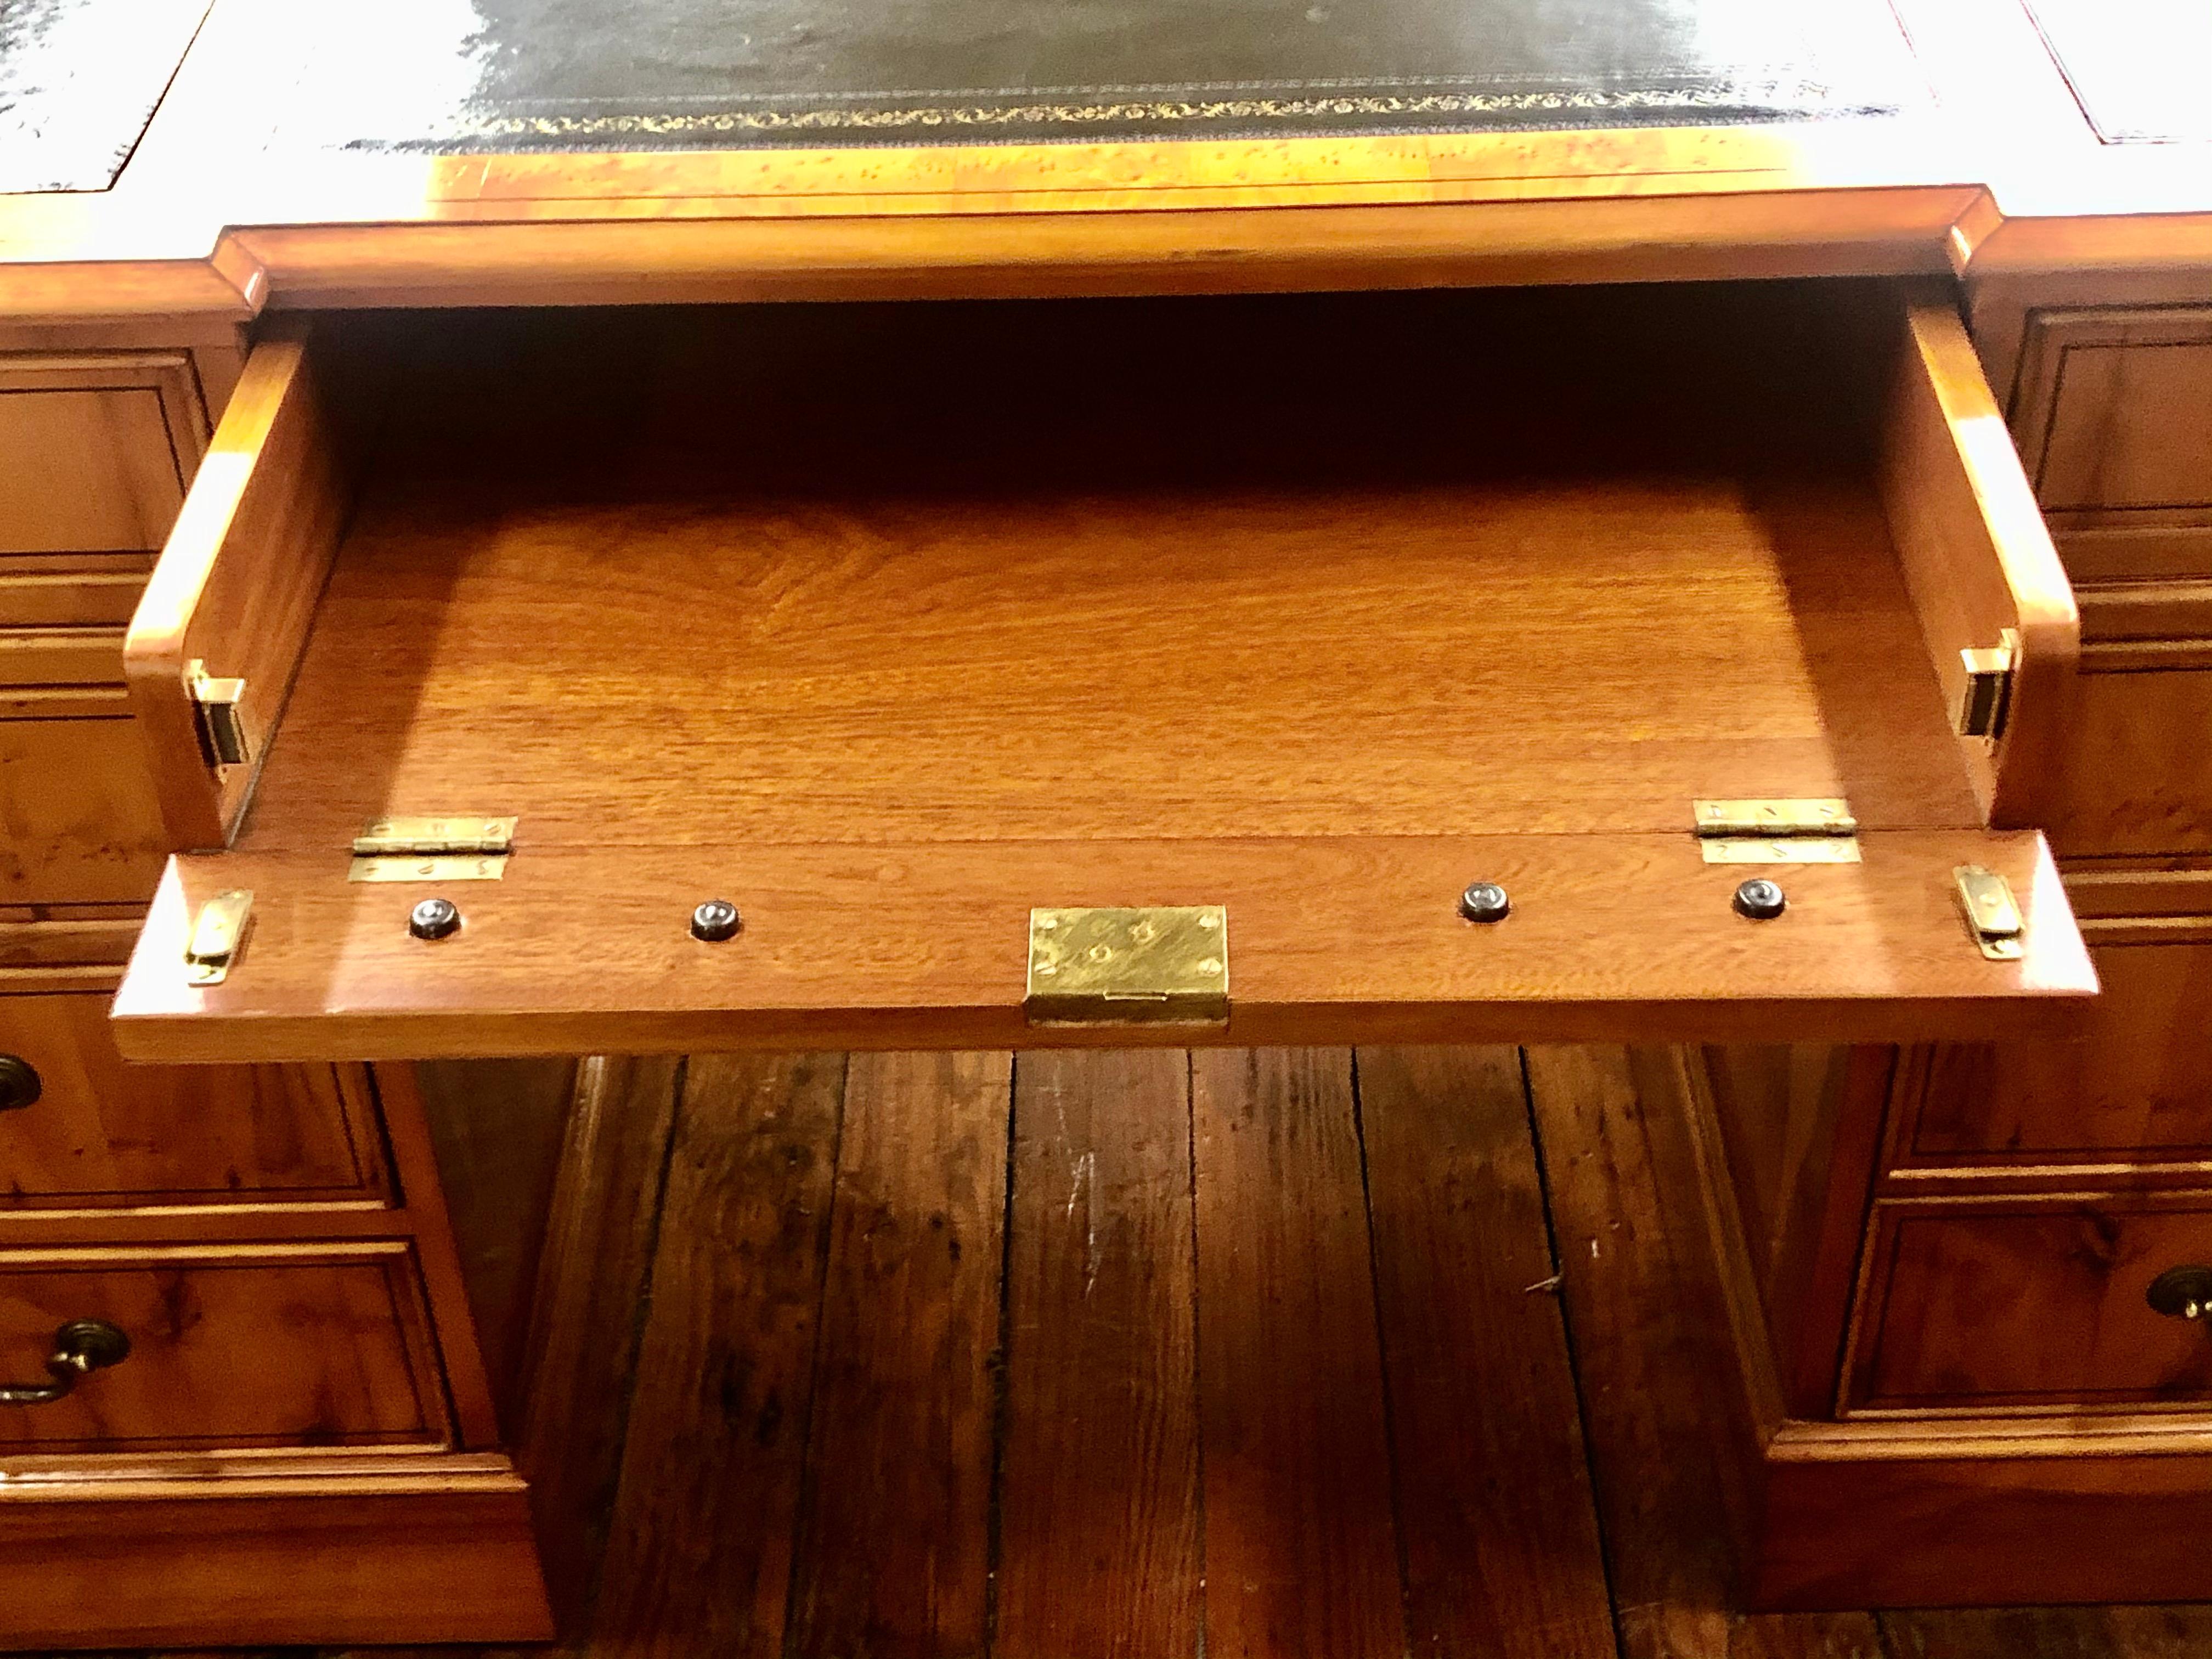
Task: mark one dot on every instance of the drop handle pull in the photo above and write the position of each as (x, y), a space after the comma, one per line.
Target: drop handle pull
(81, 1347)
(2184, 1293)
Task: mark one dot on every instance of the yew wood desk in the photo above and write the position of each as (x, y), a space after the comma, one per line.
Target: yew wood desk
(1370, 586)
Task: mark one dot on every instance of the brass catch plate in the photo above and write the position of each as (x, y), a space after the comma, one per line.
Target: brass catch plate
(218, 935)
(1985, 696)
(1165, 965)
(444, 866)
(1788, 849)
(454, 833)
(1992, 914)
(218, 705)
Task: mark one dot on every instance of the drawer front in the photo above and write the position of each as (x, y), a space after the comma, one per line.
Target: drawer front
(2113, 416)
(238, 1346)
(80, 1129)
(2029, 1305)
(78, 818)
(2138, 765)
(2114, 408)
(2135, 1087)
(95, 449)
(928, 744)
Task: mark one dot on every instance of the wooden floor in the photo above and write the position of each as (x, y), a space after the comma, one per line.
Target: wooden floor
(1297, 1354)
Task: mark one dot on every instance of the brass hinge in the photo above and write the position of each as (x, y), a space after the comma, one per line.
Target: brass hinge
(218, 935)
(457, 848)
(1987, 699)
(218, 712)
(1816, 830)
(1992, 916)
(1159, 966)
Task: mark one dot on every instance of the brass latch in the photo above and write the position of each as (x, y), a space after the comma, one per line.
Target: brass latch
(218, 712)
(1992, 917)
(1987, 699)
(218, 935)
(457, 848)
(1816, 830)
(1160, 966)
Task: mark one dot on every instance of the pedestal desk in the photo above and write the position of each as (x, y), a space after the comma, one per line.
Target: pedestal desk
(1723, 571)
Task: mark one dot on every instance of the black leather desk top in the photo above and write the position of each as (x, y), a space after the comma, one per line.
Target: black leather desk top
(2141, 70)
(615, 74)
(79, 79)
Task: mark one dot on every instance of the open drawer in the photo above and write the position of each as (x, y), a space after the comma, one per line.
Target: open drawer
(892, 624)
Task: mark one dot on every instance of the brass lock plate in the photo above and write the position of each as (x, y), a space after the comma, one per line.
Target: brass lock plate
(1166, 965)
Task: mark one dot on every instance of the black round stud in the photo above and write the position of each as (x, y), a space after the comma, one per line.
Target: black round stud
(1485, 900)
(19, 1082)
(715, 921)
(433, 918)
(1760, 899)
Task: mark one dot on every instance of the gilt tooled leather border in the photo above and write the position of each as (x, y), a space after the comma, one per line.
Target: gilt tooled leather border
(1797, 100)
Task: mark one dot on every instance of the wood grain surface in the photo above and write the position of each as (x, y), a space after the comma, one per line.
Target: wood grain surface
(718, 1418)
(1099, 1526)
(925, 946)
(1293, 640)
(882, 632)
(105, 1134)
(1646, 1345)
(237, 584)
(236, 1346)
(100, 445)
(1648, 1337)
(1299, 1556)
(2136, 780)
(84, 818)
(1475, 1347)
(1978, 559)
(2029, 1303)
(453, 1559)
(595, 1268)
(2133, 1090)
(497, 1128)
(893, 1542)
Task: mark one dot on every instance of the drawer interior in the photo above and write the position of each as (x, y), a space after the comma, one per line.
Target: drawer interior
(889, 623)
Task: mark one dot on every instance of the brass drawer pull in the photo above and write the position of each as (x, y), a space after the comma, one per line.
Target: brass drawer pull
(81, 1347)
(19, 1082)
(2183, 1293)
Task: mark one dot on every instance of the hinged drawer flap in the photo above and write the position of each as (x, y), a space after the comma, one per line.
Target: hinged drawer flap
(1613, 939)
